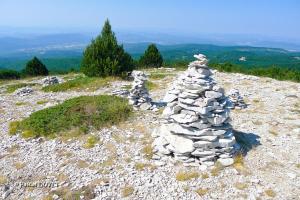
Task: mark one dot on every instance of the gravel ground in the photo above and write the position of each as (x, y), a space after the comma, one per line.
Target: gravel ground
(120, 164)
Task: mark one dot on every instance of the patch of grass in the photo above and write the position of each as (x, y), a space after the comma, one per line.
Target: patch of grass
(216, 169)
(42, 102)
(201, 191)
(240, 185)
(204, 176)
(142, 166)
(127, 191)
(257, 123)
(118, 137)
(82, 164)
(12, 88)
(148, 151)
(80, 83)
(298, 165)
(256, 101)
(157, 75)
(3, 180)
(83, 112)
(270, 193)
(27, 134)
(21, 103)
(19, 165)
(126, 87)
(67, 193)
(186, 175)
(239, 164)
(273, 132)
(91, 141)
(151, 86)
(13, 127)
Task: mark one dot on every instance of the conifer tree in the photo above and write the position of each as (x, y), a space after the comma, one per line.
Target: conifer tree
(104, 57)
(35, 67)
(151, 57)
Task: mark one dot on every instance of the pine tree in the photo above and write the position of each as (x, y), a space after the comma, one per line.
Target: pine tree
(104, 57)
(151, 57)
(35, 67)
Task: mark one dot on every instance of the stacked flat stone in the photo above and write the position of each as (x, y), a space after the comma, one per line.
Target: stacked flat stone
(236, 100)
(139, 96)
(196, 127)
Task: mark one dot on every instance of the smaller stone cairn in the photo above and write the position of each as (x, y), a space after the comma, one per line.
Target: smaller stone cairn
(139, 96)
(236, 99)
(51, 80)
(24, 91)
(196, 127)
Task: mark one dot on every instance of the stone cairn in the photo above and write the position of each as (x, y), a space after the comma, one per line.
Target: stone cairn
(236, 100)
(139, 96)
(51, 80)
(24, 91)
(196, 127)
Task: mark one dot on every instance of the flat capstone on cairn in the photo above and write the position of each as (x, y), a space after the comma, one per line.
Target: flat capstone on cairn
(139, 96)
(236, 99)
(195, 127)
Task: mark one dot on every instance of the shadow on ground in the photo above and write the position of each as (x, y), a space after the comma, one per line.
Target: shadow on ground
(247, 141)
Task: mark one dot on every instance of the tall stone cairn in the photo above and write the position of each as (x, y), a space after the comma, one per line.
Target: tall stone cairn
(196, 127)
(139, 96)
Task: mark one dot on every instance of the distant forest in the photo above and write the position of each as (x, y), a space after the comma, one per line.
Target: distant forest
(174, 56)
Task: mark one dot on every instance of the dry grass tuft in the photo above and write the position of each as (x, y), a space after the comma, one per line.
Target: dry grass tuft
(82, 164)
(3, 180)
(19, 165)
(186, 175)
(240, 185)
(239, 164)
(270, 193)
(216, 169)
(204, 176)
(91, 142)
(148, 151)
(127, 191)
(201, 191)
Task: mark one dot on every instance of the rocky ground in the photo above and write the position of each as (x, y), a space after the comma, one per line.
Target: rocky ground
(120, 165)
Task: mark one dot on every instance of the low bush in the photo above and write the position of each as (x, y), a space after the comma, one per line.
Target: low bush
(9, 74)
(12, 88)
(274, 72)
(83, 112)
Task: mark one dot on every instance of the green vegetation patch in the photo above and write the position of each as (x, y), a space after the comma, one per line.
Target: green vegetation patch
(151, 86)
(14, 87)
(83, 112)
(158, 75)
(274, 72)
(87, 83)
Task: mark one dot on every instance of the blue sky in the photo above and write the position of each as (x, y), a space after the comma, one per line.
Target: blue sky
(262, 17)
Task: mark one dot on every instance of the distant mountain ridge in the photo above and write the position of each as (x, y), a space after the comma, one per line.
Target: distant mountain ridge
(64, 51)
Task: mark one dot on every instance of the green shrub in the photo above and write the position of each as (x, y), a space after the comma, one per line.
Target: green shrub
(9, 74)
(104, 57)
(83, 112)
(90, 83)
(35, 67)
(151, 57)
(272, 72)
(14, 87)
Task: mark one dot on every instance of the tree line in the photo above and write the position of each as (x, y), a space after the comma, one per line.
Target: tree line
(104, 56)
